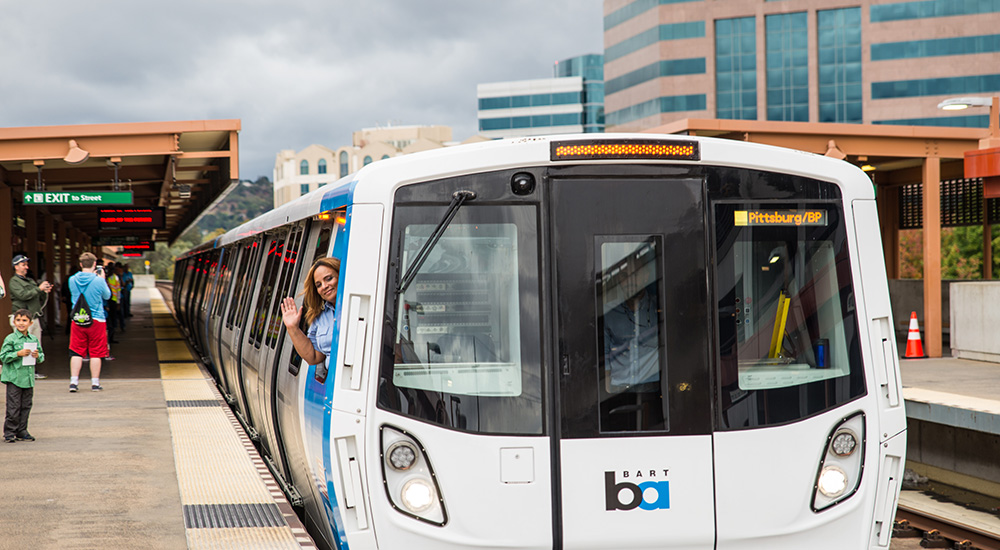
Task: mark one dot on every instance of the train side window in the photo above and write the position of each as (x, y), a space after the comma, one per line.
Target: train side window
(256, 249)
(288, 266)
(223, 285)
(274, 250)
(240, 275)
(320, 250)
(787, 322)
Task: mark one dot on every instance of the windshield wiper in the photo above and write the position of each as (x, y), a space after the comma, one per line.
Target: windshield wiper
(457, 200)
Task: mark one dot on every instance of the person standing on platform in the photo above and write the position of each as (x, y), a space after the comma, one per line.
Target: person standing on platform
(128, 281)
(19, 353)
(3, 288)
(26, 293)
(114, 283)
(88, 337)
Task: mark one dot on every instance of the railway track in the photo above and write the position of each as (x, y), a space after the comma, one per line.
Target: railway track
(936, 531)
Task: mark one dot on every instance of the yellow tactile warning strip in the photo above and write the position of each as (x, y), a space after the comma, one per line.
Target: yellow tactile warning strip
(173, 350)
(229, 497)
(167, 333)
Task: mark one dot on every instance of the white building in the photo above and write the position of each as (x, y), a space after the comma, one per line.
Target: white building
(297, 173)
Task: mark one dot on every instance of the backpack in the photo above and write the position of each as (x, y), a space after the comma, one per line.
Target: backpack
(80, 314)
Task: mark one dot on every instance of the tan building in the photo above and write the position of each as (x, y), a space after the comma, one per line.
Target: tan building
(860, 61)
(298, 173)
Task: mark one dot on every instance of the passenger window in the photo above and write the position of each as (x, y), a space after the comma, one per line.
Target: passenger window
(630, 325)
(787, 320)
(274, 255)
(288, 266)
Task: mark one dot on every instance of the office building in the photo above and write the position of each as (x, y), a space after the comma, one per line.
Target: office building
(861, 61)
(570, 102)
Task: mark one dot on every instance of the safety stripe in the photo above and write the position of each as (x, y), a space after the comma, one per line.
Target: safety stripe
(194, 403)
(202, 516)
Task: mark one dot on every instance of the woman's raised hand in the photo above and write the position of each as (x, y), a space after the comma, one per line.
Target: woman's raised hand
(290, 315)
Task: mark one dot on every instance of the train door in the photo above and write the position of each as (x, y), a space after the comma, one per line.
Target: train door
(237, 321)
(634, 443)
(272, 347)
(255, 351)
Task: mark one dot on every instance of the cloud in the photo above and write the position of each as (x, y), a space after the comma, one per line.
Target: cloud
(296, 72)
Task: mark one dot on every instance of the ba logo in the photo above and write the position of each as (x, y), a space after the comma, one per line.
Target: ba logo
(648, 495)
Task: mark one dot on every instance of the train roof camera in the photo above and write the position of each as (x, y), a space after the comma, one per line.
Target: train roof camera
(522, 183)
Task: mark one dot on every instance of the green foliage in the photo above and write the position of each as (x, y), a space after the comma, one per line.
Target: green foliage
(247, 201)
(961, 253)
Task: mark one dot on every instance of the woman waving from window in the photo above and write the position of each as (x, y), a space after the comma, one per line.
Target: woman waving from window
(320, 291)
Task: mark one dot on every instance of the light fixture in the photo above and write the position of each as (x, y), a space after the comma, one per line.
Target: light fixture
(868, 168)
(184, 191)
(959, 103)
(833, 151)
(76, 155)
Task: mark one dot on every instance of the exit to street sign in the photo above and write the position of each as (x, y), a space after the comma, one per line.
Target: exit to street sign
(76, 198)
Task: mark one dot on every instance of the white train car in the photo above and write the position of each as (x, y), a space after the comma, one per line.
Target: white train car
(572, 342)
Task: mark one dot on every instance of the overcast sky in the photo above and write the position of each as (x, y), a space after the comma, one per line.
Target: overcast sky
(295, 72)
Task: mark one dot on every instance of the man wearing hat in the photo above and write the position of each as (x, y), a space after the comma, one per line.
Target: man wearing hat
(26, 293)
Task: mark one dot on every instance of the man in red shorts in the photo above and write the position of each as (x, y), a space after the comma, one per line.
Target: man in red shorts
(88, 335)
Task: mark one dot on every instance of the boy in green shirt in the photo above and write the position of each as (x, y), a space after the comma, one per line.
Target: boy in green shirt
(20, 378)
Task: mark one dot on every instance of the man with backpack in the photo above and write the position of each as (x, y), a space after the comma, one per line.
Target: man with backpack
(88, 336)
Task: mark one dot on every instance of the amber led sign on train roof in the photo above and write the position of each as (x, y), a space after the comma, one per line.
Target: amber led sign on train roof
(625, 149)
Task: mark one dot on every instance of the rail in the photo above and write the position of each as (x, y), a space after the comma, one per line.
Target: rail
(937, 531)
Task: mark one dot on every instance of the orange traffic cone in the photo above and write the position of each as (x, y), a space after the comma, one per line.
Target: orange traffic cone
(914, 347)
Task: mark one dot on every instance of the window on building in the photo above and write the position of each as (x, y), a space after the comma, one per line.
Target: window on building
(303, 188)
(736, 68)
(321, 166)
(368, 160)
(839, 65)
(343, 163)
(384, 157)
(304, 168)
(787, 67)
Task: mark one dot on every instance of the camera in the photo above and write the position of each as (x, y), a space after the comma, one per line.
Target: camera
(99, 270)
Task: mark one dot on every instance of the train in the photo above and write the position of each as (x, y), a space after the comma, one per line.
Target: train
(570, 342)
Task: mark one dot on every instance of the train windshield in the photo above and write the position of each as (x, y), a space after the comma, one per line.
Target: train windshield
(465, 335)
(786, 312)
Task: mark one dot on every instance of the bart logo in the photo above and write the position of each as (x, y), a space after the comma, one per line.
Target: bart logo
(648, 495)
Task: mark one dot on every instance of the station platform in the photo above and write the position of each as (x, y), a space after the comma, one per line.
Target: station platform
(155, 461)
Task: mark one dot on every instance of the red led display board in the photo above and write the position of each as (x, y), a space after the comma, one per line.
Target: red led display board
(132, 218)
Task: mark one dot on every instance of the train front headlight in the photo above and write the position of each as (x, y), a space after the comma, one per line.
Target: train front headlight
(417, 495)
(839, 473)
(832, 481)
(409, 480)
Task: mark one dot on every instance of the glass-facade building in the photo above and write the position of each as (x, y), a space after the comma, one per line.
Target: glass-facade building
(861, 61)
(570, 102)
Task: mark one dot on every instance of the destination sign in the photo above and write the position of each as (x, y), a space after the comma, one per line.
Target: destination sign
(780, 217)
(76, 198)
(132, 218)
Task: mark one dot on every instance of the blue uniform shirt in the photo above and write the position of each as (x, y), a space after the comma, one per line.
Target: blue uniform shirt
(321, 331)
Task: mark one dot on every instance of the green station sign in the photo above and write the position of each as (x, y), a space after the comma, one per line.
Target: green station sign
(77, 198)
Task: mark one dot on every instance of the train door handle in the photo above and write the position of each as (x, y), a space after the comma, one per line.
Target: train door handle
(350, 476)
(357, 329)
(884, 350)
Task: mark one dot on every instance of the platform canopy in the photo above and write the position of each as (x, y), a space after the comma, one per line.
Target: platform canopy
(918, 174)
(173, 170)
